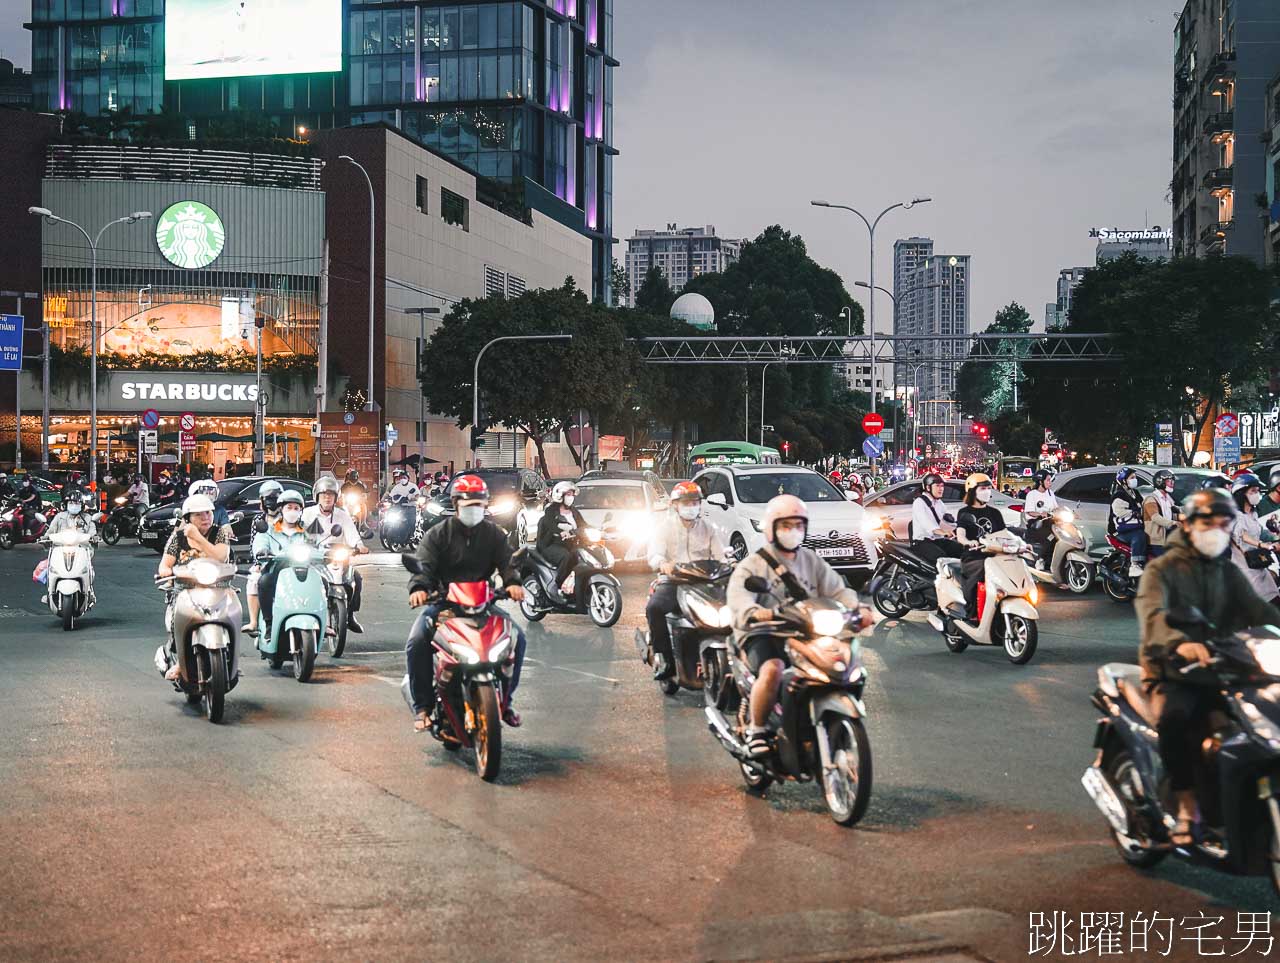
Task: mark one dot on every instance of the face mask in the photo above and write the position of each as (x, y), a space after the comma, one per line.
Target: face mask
(73, 509)
(1210, 542)
(984, 495)
(291, 515)
(1169, 488)
(471, 516)
(568, 501)
(1254, 497)
(1132, 482)
(790, 538)
(689, 512)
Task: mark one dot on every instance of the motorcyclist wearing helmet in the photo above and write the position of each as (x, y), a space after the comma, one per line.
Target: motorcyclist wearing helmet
(197, 537)
(76, 514)
(29, 503)
(166, 491)
(1271, 501)
(1160, 513)
(270, 546)
(1195, 571)
(1038, 508)
(139, 492)
(1124, 521)
(786, 520)
(560, 522)
(319, 519)
(403, 490)
(685, 536)
(932, 536)
(269, 500)
(465, 548)
(1249, 537)
(209, 488)
(352, 483)
(976, 519)
(7, 489)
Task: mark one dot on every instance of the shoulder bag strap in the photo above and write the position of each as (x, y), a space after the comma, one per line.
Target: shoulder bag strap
(792, 584)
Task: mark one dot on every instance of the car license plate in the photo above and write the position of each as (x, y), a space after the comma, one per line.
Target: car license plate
(834, 552)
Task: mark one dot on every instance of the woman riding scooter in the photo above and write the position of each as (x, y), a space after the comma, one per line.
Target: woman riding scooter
(975, 519)
(560, 521)
(288, 528)
(197, 537)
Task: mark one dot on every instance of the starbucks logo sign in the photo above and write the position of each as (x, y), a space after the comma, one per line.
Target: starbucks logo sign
(190, 234)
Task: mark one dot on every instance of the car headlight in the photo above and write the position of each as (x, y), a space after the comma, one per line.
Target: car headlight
(1268, 655)
(206, 573)
(828, 622)
(591, 534)
(503, 506)
(435, 508)
(718, 616)
(300, 553)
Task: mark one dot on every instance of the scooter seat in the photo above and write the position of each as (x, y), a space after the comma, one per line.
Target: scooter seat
(949, 566)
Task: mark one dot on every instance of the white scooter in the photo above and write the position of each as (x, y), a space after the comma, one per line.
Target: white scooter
(70, 582)
(1069, 563)
(1007, 598)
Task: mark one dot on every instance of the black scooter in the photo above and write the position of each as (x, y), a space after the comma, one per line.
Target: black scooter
(597, 591)
(903, 581)
(1238, 831)
(701, 588)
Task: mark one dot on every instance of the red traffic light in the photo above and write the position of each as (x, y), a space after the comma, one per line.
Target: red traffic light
(786, 446)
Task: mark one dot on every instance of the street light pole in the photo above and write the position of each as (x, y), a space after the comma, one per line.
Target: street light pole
(871, 231)
(475, 374)
(763, 371)
(368, 180)
(53, 218)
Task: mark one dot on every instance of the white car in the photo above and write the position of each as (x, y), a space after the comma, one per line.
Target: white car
(633, 507)
(895, 502)
(736, 496)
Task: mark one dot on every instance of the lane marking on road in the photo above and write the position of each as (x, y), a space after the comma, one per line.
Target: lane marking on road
(389, 681)
(563, 668)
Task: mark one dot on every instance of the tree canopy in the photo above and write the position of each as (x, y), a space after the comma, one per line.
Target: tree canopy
(985, 388)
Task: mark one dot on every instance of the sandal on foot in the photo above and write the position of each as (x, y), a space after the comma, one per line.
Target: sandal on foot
(1181, 835)
(422, 723)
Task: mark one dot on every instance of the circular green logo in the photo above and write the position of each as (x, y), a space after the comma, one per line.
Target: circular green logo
(190, 234)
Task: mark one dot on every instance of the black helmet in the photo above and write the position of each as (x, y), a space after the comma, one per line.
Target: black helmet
(353, 475)
(1209, 503)
(1161, 477)
(1041, 476)
(931, 479)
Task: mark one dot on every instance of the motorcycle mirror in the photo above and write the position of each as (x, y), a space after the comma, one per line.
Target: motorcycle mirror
(335, 531)
(756, 584)
(411, 564)
(259, 524)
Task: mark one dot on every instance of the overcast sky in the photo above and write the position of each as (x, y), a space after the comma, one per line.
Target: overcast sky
(1027, 121)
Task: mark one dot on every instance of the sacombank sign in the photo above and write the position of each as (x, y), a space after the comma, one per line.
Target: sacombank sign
(179, 391)
(1111, 235)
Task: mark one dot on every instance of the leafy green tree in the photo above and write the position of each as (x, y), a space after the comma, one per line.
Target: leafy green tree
(1015, 433)
(655, 295)
(620, 284)
(985, 388)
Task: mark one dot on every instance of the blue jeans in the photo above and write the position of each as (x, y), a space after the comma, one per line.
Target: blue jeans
(1138, 543)
(420, 660)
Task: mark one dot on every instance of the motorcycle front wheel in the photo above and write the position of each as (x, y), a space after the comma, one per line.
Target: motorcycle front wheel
(215, 690)
(847, 787)
(1079, 578)
(1138, 851)
(888, 600)
(304, 654)
(111, 533)
(67, 609)
(487, 737)
(1020, 639)
(338, 623)
(529, 604)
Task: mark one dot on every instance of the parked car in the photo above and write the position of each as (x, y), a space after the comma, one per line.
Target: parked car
(1087, 492)
(633, 506)
(642, 474)
(234, 494)
(894, 503)
(516, 498)
(839, 530)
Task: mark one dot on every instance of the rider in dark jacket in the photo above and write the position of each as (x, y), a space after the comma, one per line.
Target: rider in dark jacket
(559, 520)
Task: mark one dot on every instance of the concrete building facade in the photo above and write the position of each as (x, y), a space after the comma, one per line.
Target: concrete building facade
(1056, 312)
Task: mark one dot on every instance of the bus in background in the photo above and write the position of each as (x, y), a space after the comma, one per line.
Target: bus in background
(1013, 473)
(731, 453)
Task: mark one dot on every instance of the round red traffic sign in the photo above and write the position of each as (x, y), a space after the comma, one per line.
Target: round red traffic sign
(187, 422)
(873, 424)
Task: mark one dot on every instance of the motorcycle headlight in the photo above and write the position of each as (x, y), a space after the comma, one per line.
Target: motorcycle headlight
(435, 508)
(339, 555)
(1034, 595)
(300, 553)
(206, 573)
(828, 622)
(717, 616)
(421, 502)
(465, 653)
(1267, 654)
(591, 534)
(497, 653)
(121, 500)
(1065, 516)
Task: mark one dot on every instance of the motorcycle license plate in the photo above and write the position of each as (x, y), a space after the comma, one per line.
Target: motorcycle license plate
(834, 552)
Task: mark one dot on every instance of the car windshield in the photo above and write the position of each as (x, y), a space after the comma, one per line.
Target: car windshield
(613, 497)
(228, 487)
(503, 484)
(808, 487)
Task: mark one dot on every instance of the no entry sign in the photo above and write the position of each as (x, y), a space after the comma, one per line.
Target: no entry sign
(873, 424)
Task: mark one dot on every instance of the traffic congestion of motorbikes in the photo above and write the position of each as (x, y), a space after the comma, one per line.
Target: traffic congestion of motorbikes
(767, 627)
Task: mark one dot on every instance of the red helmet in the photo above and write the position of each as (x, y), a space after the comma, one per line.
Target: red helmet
(685, 489)
(469, 488)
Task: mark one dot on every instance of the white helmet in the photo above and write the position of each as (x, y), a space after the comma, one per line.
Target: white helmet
(780, 507)
(563, 488)
(196, 503)
(204, 486)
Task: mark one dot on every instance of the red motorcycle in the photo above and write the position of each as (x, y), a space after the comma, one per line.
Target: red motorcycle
(475, 646)
(12, 522)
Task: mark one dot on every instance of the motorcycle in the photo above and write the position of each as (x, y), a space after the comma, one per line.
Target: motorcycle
(398, 526)
(1068, 561)
(903, 579)
(204, 618)
(703, 618)
(300, 610)
(123, 520)
(1119, 585)
(597, 591)
(11, 525)
(357, 504)
(340, 586)
(818, 723)
(1007, 599)
(1238, 830)
(475, 645)
(70, 584)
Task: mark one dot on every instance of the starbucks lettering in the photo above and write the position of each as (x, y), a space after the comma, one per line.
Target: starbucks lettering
(208, 393)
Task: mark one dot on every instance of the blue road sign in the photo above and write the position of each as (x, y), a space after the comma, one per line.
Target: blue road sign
(873, 447)
(10, 342)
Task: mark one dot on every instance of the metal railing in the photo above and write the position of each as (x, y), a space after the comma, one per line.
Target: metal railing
(192, 165)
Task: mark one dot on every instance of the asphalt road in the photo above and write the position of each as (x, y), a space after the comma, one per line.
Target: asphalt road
(315, 824)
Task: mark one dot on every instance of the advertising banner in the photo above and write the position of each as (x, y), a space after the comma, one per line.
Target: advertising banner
(351, 440)
(251, 38)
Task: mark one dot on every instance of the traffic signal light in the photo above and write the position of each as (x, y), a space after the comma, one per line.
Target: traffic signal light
(477, 438)
(981, 430)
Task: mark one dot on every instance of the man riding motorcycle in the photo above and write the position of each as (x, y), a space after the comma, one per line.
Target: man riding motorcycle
(1038, 510)
(403, 490)
(781, 562)
(1195, 571)
(685, 536)
(7, 488)
(322, 516)
(1160, 513)
(139, 494)
(29, 504)
(197, 537)
(466, 548)
(559, 520)
(932, 536)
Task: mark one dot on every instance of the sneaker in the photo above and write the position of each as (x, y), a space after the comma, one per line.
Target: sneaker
(1135, 570)
(354, 626)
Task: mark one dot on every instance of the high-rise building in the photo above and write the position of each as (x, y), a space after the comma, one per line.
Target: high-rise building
(932, 296)
(682, 253)
(1056, 312)
(1225, 53)
(1150, 243)
(520, 93)
(15, 85)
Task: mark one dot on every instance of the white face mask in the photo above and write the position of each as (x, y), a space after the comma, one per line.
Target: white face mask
(790, 538)
(1133, 481)
(291, 515)
(471, 515)
(568, 501)
(689, 512)
(73, 508)
(984, 495)
(1210, 542)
